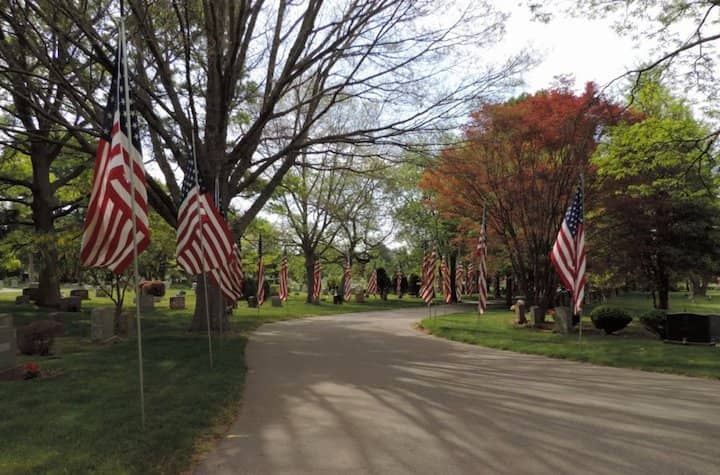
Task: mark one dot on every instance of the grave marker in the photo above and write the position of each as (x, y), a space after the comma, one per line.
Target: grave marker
(8, 343)
(102, 323)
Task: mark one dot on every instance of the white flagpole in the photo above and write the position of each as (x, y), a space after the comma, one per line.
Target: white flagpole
(582, 203)
(131, 177)
(202, 241)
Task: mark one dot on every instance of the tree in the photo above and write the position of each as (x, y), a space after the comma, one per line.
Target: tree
(385, 284)
(684, 35)
(249, 81)
(44, 76)
(658, 210)
(521, 161)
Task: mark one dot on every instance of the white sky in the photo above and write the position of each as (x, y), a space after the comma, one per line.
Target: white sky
(589, 50)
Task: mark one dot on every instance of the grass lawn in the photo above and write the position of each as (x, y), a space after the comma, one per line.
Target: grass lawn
(632, 347)
(86, 417)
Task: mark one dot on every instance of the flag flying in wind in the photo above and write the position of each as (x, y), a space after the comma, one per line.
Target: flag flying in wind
(470, 279)
(447, 288)
(317, 284)
(427, 289)
(260, 275)
(283, 292)
(372, 287)
(347, 290)
(568, 252)
(108, 228)
(459, 281)
(482, 266)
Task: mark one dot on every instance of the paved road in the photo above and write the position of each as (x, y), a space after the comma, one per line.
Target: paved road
(368, 394)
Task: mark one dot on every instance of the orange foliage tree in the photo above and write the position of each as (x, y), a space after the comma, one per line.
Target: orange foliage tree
(522, 159)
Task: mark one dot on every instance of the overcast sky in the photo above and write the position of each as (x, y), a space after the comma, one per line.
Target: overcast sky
(587, 49)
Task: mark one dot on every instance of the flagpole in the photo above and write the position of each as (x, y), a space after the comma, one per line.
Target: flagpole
(131, 177)
(582, 203)
(202, 243)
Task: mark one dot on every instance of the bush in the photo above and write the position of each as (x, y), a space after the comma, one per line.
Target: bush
(655, 321)
(610, 319)
(156, 288)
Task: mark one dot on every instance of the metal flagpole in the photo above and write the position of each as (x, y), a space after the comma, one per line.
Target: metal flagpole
(582, 204)
(202, 243)
(131, 176)
(221, 297)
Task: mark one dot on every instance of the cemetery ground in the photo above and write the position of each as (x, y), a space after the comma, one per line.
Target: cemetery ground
(632, 347)
(83, 416)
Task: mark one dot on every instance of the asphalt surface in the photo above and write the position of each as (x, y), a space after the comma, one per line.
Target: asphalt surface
(369, 394)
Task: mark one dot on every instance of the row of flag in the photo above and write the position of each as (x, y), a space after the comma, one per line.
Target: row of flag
(116, 226)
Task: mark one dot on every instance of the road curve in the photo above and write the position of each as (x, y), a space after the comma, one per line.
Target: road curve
(369, 394)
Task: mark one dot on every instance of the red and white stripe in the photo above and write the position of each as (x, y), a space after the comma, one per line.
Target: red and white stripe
(283, 292)
(347, 290)
(317, 283)
(372, 287)
(447, 287)
(427, 289)
(459, 282)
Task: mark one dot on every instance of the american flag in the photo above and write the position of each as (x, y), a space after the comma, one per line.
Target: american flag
(470, 279)
(427, 289)
(372, 287)
(108, 228)
(260, 275)
(204, 241)
(398, 281)
(347, 290)
(447, 288)
(283, 292)
(228, 278)
(568, 252)
(459, 281)
(482, 266)
(317, 284)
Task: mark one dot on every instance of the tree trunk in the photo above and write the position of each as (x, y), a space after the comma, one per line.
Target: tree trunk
(309, 275)
(663, 291)
(698, 286)
(219, 320)
(49, 277)
(497, 294)
(508, 291)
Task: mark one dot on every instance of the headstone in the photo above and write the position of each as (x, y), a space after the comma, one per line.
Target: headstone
(21, 299)
(31, 293)
(8, 343)
(147, 302)
(37, 337)
(360, 297)
(13, 282)
(177, 302)
(252, 302)
(82, 293)
(70, 304)
(520, 311)
(537, 315)
(102, 323)
(2, 283)
(276, 301)
(563, 320)
(127, 324)
(34, 285)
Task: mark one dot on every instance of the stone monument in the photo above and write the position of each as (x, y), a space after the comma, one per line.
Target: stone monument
(8, 343)
(102, 323)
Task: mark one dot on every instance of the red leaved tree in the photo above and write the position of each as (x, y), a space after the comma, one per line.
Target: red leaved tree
(522, 160)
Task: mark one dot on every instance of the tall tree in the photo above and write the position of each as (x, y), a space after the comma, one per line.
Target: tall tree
(45, 77)
(657, 192)
(521, 161)
(249, 81)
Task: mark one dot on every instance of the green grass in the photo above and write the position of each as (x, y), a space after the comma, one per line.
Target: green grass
(86, 418)
(633, 347)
